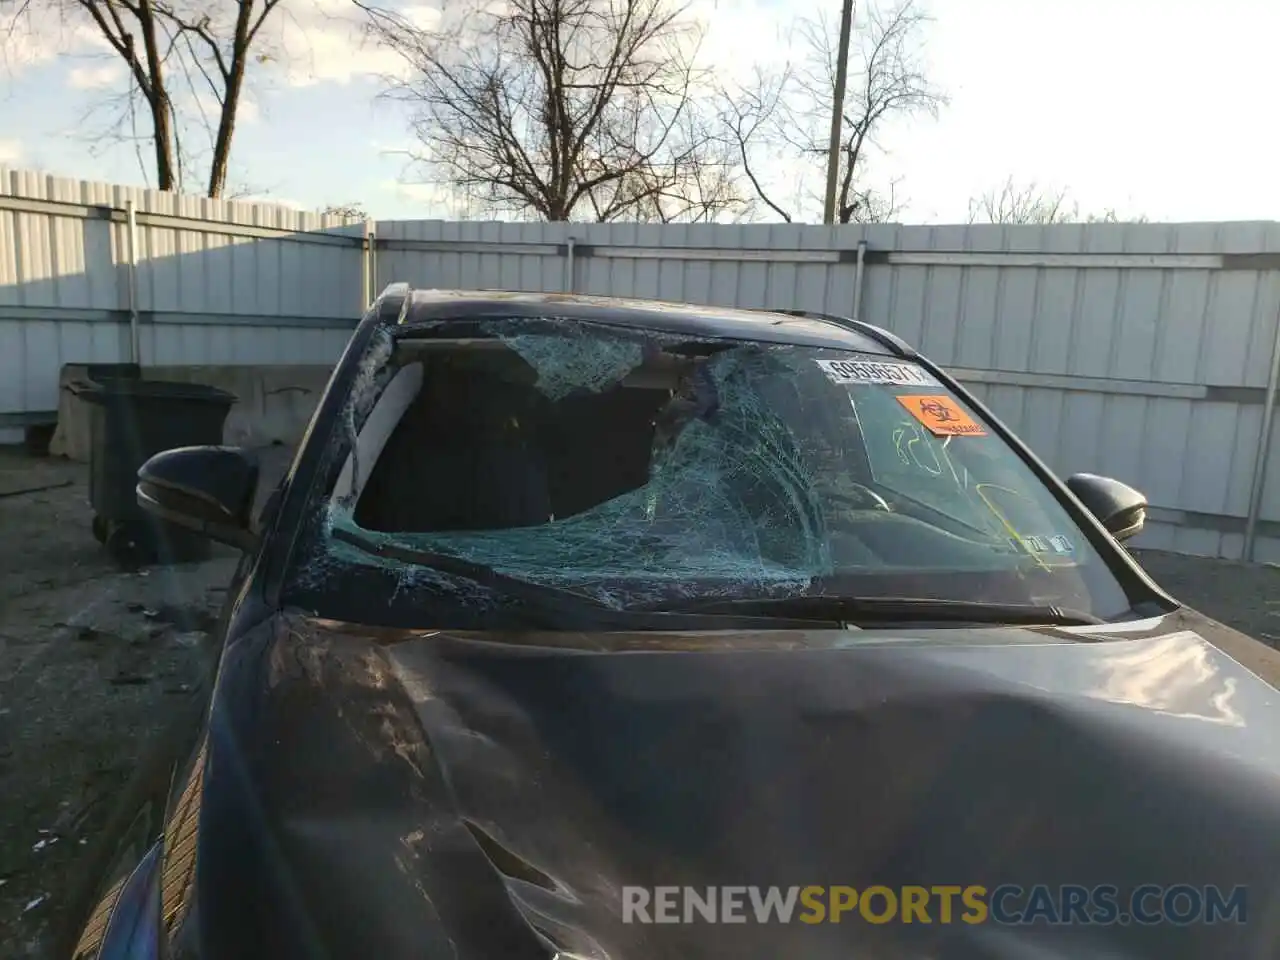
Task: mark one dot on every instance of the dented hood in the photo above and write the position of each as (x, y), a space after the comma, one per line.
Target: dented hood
(398, 794)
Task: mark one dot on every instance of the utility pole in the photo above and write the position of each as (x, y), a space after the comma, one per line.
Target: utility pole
(837, 111)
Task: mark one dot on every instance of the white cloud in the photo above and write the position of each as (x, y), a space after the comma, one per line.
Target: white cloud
(93, 78)
(203, 106)
(421, 16)
(740, 36)
(418, 192)
(10, 152)
(38, 34)
(325, 41)
(312, 41)
(30, 39)
(320, 55)
(435, 200)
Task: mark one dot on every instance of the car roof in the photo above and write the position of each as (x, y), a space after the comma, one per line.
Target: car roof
(425, 306)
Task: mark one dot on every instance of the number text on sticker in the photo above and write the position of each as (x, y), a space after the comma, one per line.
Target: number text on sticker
(875, 372)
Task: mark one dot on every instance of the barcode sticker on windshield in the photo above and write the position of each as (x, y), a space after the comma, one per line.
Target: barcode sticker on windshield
(1055, 543)
(876, 372)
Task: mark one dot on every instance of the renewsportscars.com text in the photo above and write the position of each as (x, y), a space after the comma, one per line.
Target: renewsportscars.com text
(1178, 904)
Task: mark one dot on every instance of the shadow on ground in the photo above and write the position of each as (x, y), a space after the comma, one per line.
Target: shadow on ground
(93, 662)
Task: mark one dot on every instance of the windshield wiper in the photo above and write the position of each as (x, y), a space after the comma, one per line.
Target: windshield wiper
(558, 608)
(557, 600)
(890, 609)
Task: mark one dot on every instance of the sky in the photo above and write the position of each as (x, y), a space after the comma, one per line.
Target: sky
(1162, 108)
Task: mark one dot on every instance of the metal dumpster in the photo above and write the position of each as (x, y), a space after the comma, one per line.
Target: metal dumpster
(133, 419)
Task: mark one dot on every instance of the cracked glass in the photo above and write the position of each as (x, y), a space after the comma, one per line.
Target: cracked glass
(636, 466)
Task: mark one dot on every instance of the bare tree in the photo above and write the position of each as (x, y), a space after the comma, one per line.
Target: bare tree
(1014, 203)
(565, 109)
(695, 182)
(220, 48)
(1030, 204)
(783, 117)
(891, 84)
(351, 211)
(755, 117)
(201, 47)
(1111, 215)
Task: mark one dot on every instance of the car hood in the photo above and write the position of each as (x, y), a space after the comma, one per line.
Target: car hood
(421, 794)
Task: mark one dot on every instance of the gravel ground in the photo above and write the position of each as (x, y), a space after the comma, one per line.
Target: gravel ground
(92, 661)
(1241, 595)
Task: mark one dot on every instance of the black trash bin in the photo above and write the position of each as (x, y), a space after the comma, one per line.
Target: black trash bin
(113, 371)
(132, 420)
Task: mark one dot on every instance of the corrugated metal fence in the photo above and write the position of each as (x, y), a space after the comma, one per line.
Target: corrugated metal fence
(93, 273)
(1146, 352)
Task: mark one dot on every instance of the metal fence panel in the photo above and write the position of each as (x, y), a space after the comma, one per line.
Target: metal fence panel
(209, 281)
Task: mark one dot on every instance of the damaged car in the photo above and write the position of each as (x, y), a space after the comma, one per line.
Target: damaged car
(566, 603)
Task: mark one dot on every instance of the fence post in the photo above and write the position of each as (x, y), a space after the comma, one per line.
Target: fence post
(568, 266)
(131, 244)
(857, 279)
(368, 264)
(1264, 446)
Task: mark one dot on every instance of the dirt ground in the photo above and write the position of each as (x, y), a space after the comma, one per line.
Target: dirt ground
(1242, 595)
(93, 660)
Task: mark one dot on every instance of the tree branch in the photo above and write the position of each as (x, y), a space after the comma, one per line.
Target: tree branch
(166, 41)
(559, 108)
(787, 127)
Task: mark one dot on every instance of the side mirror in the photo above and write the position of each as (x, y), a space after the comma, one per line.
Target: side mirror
(1118, 507)
(209, 490)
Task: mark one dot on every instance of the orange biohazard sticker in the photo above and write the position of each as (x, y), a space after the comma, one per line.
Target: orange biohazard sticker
(942, 416)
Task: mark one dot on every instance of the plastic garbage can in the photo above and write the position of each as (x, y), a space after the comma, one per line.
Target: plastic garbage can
(131, 420)
(113, 371)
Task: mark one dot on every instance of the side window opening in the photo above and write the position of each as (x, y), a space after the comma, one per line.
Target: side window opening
(383, 419)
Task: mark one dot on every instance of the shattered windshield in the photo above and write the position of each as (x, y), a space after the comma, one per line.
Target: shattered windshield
(635, 466)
